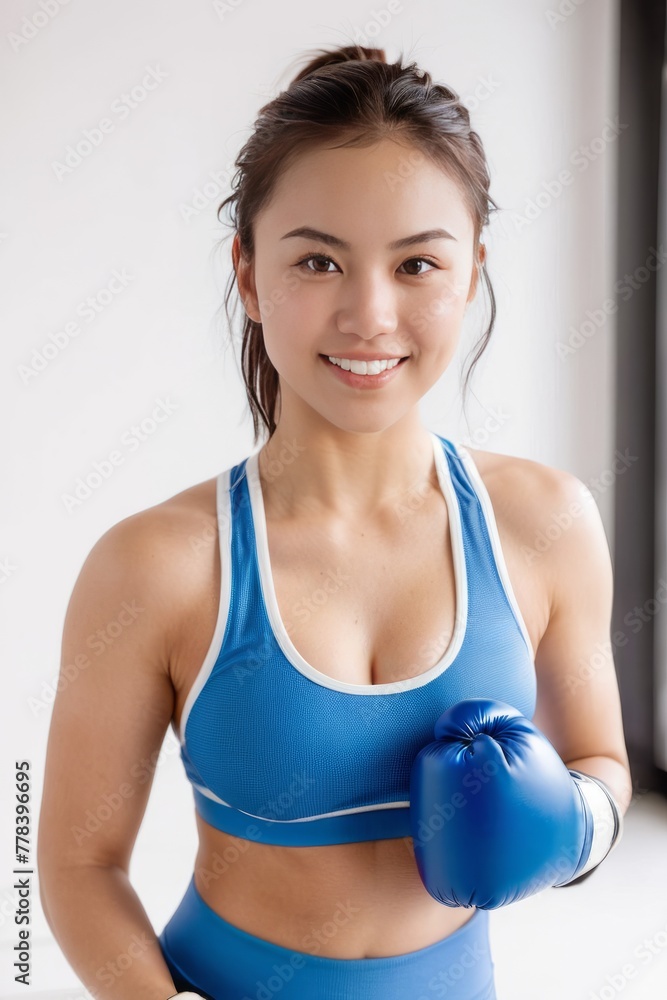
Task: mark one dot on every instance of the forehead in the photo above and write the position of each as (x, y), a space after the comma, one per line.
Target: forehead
(387, 190)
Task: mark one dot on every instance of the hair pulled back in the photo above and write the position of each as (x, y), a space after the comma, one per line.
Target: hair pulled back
(348, 96)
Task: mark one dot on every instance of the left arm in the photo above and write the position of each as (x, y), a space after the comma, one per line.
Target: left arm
(578, 705)
(533, 824)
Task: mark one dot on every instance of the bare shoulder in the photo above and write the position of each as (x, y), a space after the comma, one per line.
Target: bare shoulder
(534, 504)
(524, 491)
(167, 552)
(175, 528)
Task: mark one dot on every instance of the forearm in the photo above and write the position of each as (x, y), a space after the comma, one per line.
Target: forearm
(614, 774)
(105, 934)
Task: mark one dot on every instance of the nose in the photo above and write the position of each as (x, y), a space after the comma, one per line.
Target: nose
(368, 307)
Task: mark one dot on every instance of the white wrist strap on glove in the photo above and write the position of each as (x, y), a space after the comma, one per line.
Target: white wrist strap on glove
(607, 821)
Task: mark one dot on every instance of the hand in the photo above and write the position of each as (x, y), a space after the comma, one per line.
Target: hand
(495, 813)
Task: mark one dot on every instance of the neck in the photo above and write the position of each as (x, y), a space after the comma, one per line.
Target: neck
(331, 472)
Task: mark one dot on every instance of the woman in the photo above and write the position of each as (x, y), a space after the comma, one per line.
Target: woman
(364, 575)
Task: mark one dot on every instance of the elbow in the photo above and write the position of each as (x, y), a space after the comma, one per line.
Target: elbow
(51, 872)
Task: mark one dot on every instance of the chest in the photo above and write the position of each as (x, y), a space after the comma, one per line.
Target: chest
(319, 625)
(369, 604)
(372, 604)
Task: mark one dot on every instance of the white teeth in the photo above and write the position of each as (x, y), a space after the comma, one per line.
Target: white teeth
(364, 367)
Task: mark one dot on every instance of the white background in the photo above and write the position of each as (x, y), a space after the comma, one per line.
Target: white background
(539, 88)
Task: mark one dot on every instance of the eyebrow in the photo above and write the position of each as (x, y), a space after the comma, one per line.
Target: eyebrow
(308, 233)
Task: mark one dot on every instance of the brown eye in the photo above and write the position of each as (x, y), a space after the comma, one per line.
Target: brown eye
(418, 260)
(315, 256)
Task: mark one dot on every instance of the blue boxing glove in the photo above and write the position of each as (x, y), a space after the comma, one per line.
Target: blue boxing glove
(496, 815)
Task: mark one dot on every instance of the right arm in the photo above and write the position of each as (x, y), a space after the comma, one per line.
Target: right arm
(112, 713)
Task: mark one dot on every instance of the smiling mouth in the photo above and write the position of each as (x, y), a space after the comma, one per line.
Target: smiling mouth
(387, 367)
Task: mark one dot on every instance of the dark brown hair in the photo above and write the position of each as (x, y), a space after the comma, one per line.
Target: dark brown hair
(349, 96)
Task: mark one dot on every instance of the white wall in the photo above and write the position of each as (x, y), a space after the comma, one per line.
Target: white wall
(538, 92)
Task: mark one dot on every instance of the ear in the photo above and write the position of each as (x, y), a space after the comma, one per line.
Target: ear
(245, 278)
(479, 262)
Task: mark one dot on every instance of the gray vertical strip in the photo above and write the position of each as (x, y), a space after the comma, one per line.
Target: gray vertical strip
(660, 736)
(642, 34)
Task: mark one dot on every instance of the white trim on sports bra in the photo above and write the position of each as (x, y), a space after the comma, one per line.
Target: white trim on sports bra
(223, 513)
(304, 819)
(491, 523)
(280, 632)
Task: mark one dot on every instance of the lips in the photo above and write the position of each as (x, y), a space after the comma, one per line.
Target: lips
(373, 366)
(362, 381)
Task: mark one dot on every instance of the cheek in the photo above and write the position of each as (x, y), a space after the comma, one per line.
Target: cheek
(286, 340)
(296, 308)
(437, 323)
(453, 292)
(279, 291)
(279, 349)
(441, 304)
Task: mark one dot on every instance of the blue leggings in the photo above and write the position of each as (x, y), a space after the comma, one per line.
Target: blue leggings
(210, 956)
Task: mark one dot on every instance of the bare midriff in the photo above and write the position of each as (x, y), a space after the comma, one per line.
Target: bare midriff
(360, 900)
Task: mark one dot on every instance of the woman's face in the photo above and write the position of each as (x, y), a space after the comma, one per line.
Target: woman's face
(349, 292)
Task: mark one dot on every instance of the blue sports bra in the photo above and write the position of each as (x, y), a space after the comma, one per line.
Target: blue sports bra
(279, 752)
